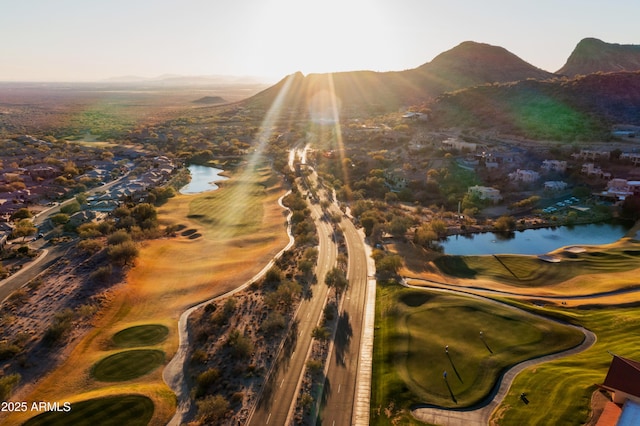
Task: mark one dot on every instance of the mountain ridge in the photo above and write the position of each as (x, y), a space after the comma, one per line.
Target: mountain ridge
(594, 55)
(468, 64)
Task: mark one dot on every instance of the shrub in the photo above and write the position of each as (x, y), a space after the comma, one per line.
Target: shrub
(102, 274)
(274, 321)
(320, 333)
(315, 366)
(9, 350)
(241, 344)
(90, 246)
(205, 380)
(7, 383)
(123, 254)
(62, 322)
(212, 409)
(199, 356)
(118, 237)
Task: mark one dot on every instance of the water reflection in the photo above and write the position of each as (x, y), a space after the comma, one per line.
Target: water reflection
(533, 241)
(203, 179)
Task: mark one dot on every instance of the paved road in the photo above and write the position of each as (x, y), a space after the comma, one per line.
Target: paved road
(47, 258)
(279, 396)
(340, 385)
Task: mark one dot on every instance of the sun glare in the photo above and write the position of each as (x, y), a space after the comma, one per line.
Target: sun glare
(322, 37)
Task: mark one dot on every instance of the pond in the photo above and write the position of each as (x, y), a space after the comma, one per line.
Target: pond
(203, 179)
(533, 241)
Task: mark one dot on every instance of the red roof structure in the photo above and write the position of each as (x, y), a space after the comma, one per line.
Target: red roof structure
(623, 377)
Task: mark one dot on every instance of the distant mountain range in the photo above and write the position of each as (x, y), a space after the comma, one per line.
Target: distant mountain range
(468, 64)
(175, 80)
(482, 85)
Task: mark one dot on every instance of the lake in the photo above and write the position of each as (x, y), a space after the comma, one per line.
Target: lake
(533, 241)
(203, 179)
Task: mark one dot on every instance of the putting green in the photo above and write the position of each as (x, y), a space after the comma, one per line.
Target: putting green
(127, 365)
(422, 334)
(141, 335)
(130, 410)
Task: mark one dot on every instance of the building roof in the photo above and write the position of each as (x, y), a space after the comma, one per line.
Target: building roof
(630, 414)
(624, 376)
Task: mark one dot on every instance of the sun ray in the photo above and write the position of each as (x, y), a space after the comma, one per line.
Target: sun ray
(244, 185)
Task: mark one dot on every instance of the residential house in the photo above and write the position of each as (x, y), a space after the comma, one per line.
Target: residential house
(591, 169)
(526, 176)
(620, 189)
(586, 154)
(554, 166)
(623, 382)
(457, 144)
(485, 193)
(633, 157)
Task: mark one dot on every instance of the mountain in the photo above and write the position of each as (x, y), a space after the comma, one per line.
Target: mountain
(582, 108)
(175, 80)
(592, 55)
(468, 64)
(471, 64)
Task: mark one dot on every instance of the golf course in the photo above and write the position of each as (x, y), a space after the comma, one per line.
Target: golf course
(438, 346)
(114, 373)
(449, 351)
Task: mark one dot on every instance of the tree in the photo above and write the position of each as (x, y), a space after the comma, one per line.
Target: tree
(145, 215)
(505, 224)
(81, 198)
(24, 228)
(337, 280)
(22, 213)
(388, 265)
(60, 219)
(70, 208)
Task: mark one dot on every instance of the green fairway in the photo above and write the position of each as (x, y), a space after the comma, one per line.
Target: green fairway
(127, 365)
(559, 392)
(413, 327)
(529, 271)
(120, 410)
(141, 335)
(238, 209)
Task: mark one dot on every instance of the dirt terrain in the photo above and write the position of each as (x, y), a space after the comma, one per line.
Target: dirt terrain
(68, 303)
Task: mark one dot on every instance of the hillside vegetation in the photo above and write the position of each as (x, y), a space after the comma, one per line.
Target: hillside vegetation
(583, 108)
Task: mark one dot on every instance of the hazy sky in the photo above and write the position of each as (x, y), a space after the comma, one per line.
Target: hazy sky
(69, 40)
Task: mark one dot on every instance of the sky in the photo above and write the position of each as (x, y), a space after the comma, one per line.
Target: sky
(91, 40)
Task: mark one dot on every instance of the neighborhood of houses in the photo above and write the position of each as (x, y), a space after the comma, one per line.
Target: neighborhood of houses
(107, 183)
(616, 188)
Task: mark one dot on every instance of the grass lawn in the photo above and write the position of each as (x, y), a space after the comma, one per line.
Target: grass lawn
(559, 392)
(598, 269)
(141, 335)
(130, 410)
(414, 326)
(238, 234)
(127, 365)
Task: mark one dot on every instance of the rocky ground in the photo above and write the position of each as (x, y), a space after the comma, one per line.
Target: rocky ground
(41, 323)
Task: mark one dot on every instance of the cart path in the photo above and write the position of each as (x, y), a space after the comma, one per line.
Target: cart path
(174, 372)
(480, 414)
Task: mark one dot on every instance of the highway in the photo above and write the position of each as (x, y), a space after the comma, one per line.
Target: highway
(277, 402)
(340, 386)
